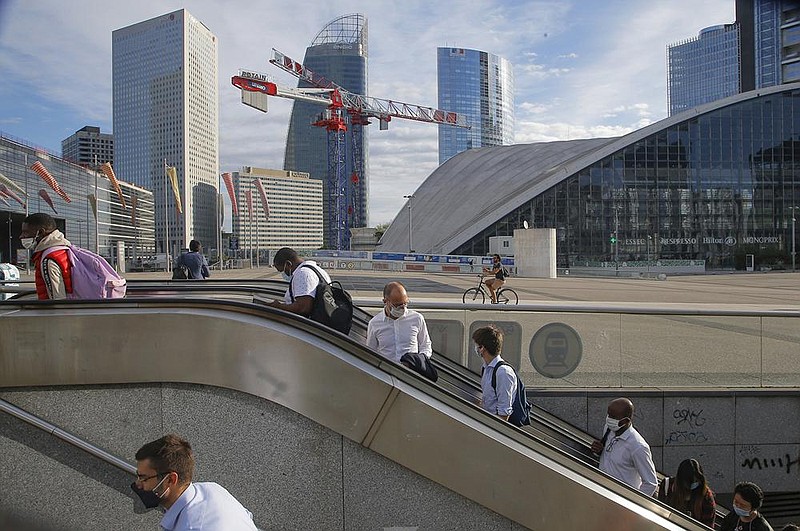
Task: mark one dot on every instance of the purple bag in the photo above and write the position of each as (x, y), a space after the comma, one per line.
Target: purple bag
(92, 276)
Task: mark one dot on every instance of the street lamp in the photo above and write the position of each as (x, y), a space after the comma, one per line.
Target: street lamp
(410, 240)
(794, 216)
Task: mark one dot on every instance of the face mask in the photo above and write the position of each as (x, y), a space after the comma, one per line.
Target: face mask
(28, 243)
(397, 311)
(612, 424)
(741, 512)
(478, 350)
(149, 498)
(286, 276)
(694, 485)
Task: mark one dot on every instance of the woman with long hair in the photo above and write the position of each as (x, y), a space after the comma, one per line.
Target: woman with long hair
(688, 493)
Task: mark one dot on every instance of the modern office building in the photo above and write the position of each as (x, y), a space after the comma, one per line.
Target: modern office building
(88, 147)
(703, 69)
(166, 113)
(338, 53)
(716, 185)
(292, 216)
(94, 218)
(480, 86)
(770, 41)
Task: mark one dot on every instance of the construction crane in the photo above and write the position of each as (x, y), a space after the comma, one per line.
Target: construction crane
(344, 109)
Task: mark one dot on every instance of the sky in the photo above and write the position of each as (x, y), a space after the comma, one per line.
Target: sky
(582, 68)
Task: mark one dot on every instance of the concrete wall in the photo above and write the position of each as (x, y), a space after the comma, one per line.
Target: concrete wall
(289, 471)
(535, 253)
(736, 436)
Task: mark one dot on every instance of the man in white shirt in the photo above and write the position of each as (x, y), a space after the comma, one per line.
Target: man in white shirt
(624, 454)
(164, 470)
(498, 399)
(303, 281)
(397, 330)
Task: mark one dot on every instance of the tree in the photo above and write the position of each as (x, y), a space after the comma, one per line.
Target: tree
(380, 229)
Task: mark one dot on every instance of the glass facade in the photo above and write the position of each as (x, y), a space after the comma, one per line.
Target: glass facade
(480, 86)
(777, 41)
(338, 53)
(703, 69)
(715, 187)
(88, 147)
(112, 225)
(166, 112)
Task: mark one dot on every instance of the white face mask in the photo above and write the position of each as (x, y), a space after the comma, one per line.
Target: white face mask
(397, 311)
(286, 276)
(478, 350)
(612, 424)
(28, 243)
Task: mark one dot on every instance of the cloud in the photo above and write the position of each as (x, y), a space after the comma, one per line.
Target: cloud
(58, 79)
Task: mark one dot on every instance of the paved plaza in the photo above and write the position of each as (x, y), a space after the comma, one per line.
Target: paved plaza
(773, 289)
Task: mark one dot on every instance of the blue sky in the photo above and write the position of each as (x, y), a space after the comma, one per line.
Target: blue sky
(582, 69)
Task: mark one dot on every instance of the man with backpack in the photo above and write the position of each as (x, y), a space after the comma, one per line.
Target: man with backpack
(195, 263)
(303, 281)
(64, 271)
(503, 392)
(53, 277)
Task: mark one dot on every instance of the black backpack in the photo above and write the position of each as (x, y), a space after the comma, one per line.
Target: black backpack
(333, 306)
(521, 408)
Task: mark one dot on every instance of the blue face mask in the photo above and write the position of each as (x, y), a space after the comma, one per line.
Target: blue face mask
(694, 485)
(741, 512)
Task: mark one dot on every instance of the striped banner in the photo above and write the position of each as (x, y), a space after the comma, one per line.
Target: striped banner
(3, 199)
(172, 173)
(108, 171)
(11, 184)
(249, 195)
(39, 168)
(44, 195)
(8, 193)
(226, 177)
(133, 209)
(93, 201)
(263, 194)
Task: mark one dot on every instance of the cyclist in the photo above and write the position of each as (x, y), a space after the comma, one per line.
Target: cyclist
(499, 273)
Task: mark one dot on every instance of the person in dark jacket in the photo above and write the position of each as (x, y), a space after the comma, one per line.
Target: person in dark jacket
(747, 500)
(688, 492)
(195, 262)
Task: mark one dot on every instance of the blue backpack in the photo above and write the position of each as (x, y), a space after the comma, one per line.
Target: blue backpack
(521, 408)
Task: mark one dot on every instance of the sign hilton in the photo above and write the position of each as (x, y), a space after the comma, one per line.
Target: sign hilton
(730, 241)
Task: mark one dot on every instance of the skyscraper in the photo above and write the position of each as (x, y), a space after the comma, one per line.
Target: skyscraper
(703, 69)
(88, 147)
(166, 111)
(480, 86)
(338, 53)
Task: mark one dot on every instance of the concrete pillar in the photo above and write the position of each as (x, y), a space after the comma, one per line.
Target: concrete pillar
(535, 253)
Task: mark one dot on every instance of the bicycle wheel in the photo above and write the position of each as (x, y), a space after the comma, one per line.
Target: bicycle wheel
(507, 295)
(474, 295)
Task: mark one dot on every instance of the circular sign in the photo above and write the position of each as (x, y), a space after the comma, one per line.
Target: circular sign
(525, 223)
(555, 350)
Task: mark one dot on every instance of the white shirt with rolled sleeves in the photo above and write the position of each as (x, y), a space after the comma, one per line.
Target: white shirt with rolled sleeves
(207, 506)
(500, 402)
(627, 457)
(394, 337)
(305, 281)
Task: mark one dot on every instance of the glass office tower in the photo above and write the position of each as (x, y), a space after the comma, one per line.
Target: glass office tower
(338, 53)
(777, 41)
(166, 111)
(703, 69)
(480, 86)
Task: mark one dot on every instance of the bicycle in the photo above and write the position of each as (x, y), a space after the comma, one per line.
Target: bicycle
(504, 295)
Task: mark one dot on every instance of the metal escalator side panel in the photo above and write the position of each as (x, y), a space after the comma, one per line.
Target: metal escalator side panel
(124, 344)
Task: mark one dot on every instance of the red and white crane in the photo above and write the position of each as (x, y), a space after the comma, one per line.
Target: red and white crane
(344, 109)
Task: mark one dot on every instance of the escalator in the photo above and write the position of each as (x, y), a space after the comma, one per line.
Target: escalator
(541, 479)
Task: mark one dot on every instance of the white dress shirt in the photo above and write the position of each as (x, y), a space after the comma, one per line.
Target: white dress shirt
(305, 281)
(627, 457)
(207, 506)
(498, 402)
(394, 337)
